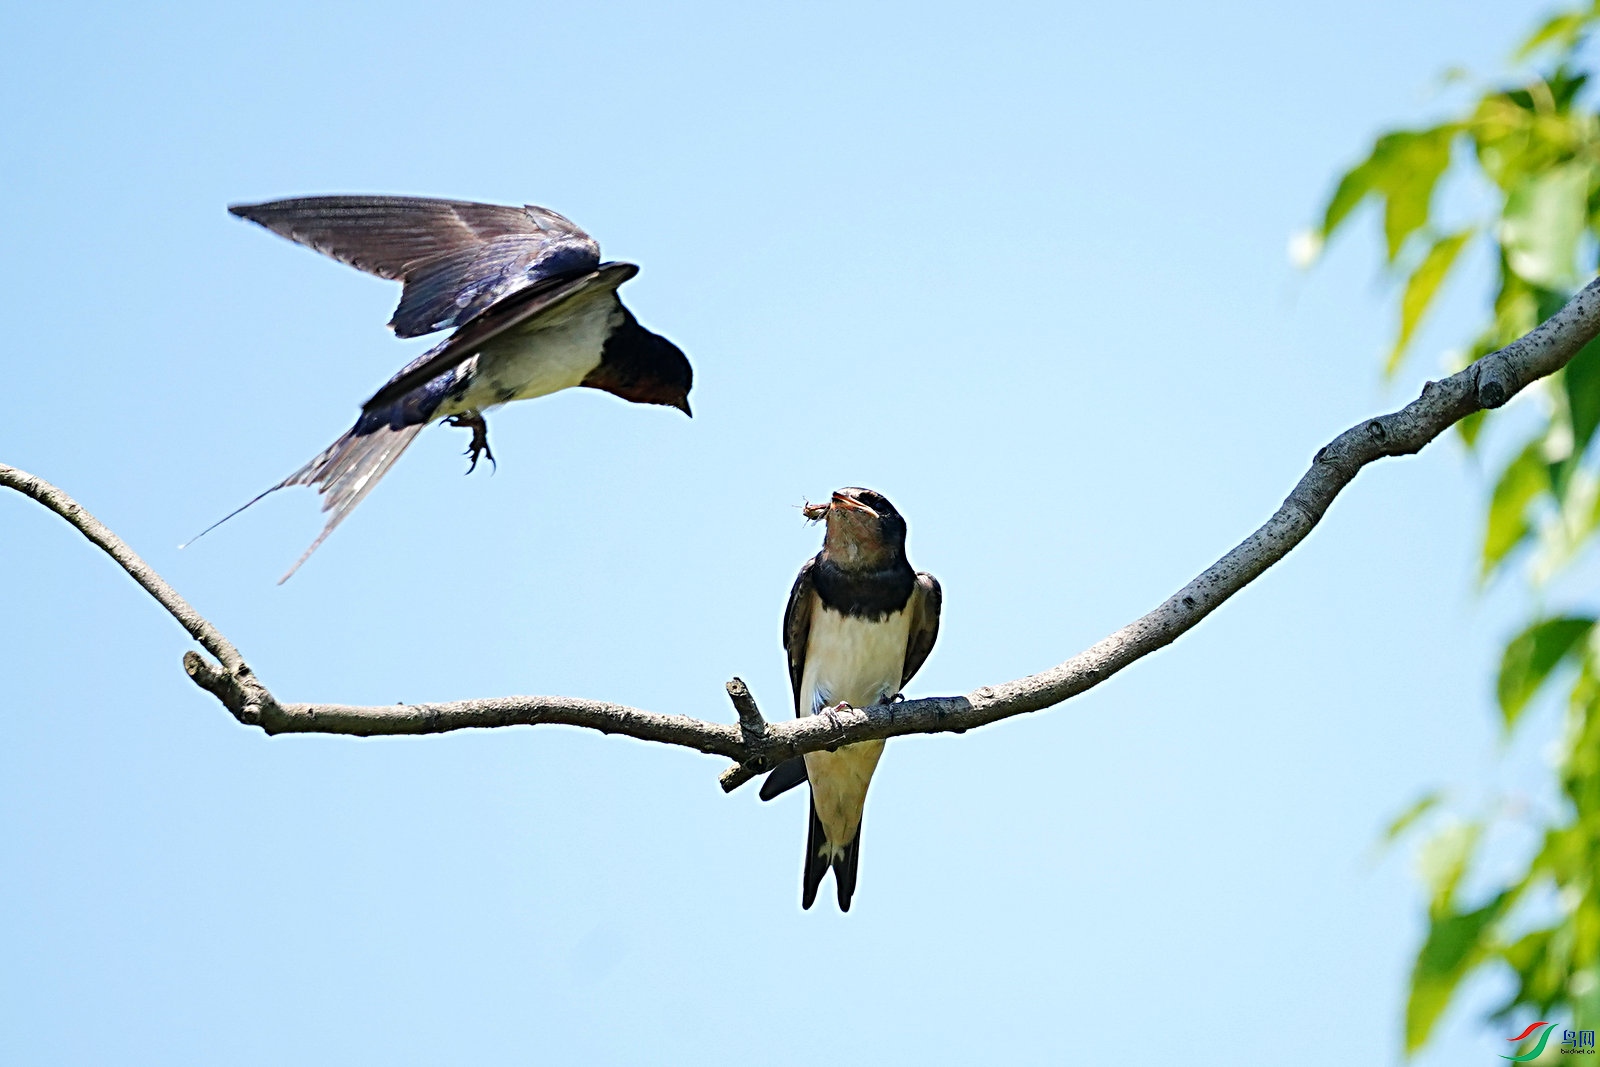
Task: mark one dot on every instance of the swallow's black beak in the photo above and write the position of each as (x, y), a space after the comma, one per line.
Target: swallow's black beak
(851, 504)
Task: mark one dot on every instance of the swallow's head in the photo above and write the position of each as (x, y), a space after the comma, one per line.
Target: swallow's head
(644, 367)
(863, 527)
(668, 377)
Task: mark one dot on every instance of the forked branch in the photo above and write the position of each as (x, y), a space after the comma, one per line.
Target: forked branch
(755, 744)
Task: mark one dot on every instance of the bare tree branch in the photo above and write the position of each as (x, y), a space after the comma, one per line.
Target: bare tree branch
(755, 744)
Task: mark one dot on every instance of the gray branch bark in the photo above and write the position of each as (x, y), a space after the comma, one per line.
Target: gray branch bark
(755, 744)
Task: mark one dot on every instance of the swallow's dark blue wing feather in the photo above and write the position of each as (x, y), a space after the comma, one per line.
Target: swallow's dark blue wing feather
(455, 257)
(449, 290)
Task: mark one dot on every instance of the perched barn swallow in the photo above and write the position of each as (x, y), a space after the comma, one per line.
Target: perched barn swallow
(860, 623)
(534, 311)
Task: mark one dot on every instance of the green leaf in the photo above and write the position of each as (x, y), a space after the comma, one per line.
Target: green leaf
(1354, 186)
(1540, 964)
(1581, 769)
(1408, 818)
(1420, 290)
(1562, 31)
(1542, 223)
(1532, 143)
(1455, 944)
(1413, 168)
(1443, 860)
(1581, 380)
(1586, 920)
(1531, 656)
(1520, 484)
(1585, 989)
(1402, 170)
(1563, 536)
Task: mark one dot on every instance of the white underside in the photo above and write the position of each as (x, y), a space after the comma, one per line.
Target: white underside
(557, 353)
(858, 662)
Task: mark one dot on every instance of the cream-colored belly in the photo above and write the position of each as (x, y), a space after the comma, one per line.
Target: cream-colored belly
(558, 354)
(857, 662)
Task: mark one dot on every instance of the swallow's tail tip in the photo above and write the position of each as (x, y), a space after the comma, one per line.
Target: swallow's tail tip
(290, 573)
(230, 515)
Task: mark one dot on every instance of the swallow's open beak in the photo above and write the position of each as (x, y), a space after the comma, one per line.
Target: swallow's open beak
(851, 504)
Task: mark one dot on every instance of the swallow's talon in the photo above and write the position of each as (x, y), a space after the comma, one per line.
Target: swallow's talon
(832, 712)
(472, 453)
(479, 447)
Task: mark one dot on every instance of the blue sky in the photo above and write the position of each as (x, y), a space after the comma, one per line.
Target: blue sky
(1020, 268)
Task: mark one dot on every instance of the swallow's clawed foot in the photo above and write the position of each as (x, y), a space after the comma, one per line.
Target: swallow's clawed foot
(474, 421)
(832, 714)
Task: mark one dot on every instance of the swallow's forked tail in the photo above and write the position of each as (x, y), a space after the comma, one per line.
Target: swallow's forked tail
(820, 855)
(343, 475)
(346, 472)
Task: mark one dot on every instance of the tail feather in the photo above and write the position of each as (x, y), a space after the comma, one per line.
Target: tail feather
(844, 870)
(820, 855)
(816, 860)
(343, 474)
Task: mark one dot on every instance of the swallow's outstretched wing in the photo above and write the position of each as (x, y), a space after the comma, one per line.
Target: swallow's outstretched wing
(455, 257)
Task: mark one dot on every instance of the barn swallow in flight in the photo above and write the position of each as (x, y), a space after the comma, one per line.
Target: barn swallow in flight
(860, 623)
(534, 311)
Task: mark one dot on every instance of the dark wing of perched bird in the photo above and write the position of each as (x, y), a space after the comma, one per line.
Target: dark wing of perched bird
(797, 626)
(784, 777)
(455, 257)
(926, 602)
(796, 633)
